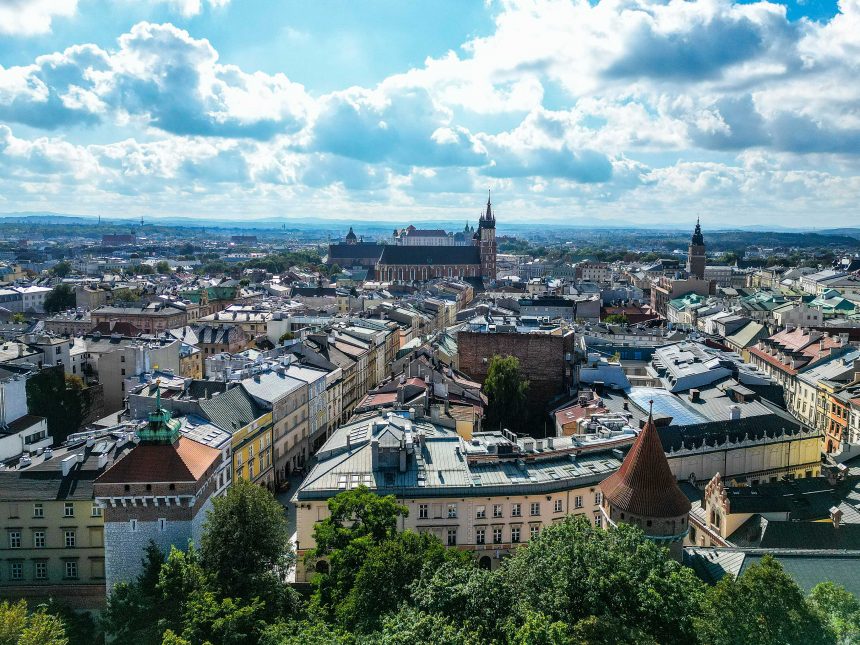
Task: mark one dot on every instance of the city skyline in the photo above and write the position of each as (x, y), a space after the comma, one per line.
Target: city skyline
(744, 113)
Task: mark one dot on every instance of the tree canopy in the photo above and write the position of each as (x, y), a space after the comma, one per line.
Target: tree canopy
(573, 584)
(60, 298)
(506, 394)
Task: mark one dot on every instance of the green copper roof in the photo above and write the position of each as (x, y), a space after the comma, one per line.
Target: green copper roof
(162, 428)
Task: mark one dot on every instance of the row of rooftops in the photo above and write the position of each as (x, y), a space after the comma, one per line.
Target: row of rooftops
(397, 452)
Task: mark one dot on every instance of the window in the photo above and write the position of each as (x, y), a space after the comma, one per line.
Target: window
(535, 508)
(69, 539)
(96, 511)
(497, 535)
(497, 510)
(69, 509)
(534, 531)
(452, 537)
(97, 569)
(516, 510)
(38, 539)
(133, 526)
(481, 512)
(16, 570)
(598, 498)
(598, 520)
(558, 506)
(515, 534)
(162, 525)
(480, 536)
(70, 569)
(14, 539)
(422, 511)
(577, 501)
(38, 510)
(452, 511)
(40, 570)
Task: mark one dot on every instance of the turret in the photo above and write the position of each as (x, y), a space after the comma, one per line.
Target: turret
(645, 493)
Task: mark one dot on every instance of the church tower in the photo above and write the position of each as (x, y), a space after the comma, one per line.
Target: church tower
(696, 253)
(485, 237)
(645, 493)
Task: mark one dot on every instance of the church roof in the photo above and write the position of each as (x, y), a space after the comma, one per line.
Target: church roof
(351, 235)
(430, 255)
(644, 485)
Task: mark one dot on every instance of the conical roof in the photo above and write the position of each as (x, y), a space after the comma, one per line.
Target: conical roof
(644, 485)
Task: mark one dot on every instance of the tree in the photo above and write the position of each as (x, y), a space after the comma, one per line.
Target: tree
(840, 608)
(134, 611)
(506, 393)
(305, 633)
(62, 269)
(18, 627)
(60, 298)
(540, 630)
(287, 335)
(467, 596)
(358, 521)
(61, 398)
(410, 626)
(124, 294)
(573, 572)
(228, 621)
(79, 625)
(385, 574)
(764, 605)
(19, 318)
(245, 543)
(616, 319)
(163, 267)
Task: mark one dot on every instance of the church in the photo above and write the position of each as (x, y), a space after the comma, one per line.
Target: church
(416, 262)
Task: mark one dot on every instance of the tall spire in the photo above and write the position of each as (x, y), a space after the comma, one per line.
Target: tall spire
(697, 238)
(488, 216)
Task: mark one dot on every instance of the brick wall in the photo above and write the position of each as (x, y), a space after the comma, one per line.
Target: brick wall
(541, 359)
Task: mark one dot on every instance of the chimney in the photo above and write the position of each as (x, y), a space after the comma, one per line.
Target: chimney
(67, 464)
(694, 394)
(434, 413)
(835, 516)
(102, 461)
(374, 454)
(734, 412)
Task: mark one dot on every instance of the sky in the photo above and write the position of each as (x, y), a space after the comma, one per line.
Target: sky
(571, 111)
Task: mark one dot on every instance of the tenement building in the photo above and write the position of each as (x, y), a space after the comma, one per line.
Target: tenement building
(489, 494)
(52, 529)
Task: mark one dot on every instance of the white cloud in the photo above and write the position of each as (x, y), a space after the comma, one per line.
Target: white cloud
(31, 17)
(658, 108)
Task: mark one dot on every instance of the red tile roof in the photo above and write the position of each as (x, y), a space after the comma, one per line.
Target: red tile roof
(185, 461)
(644, 485)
